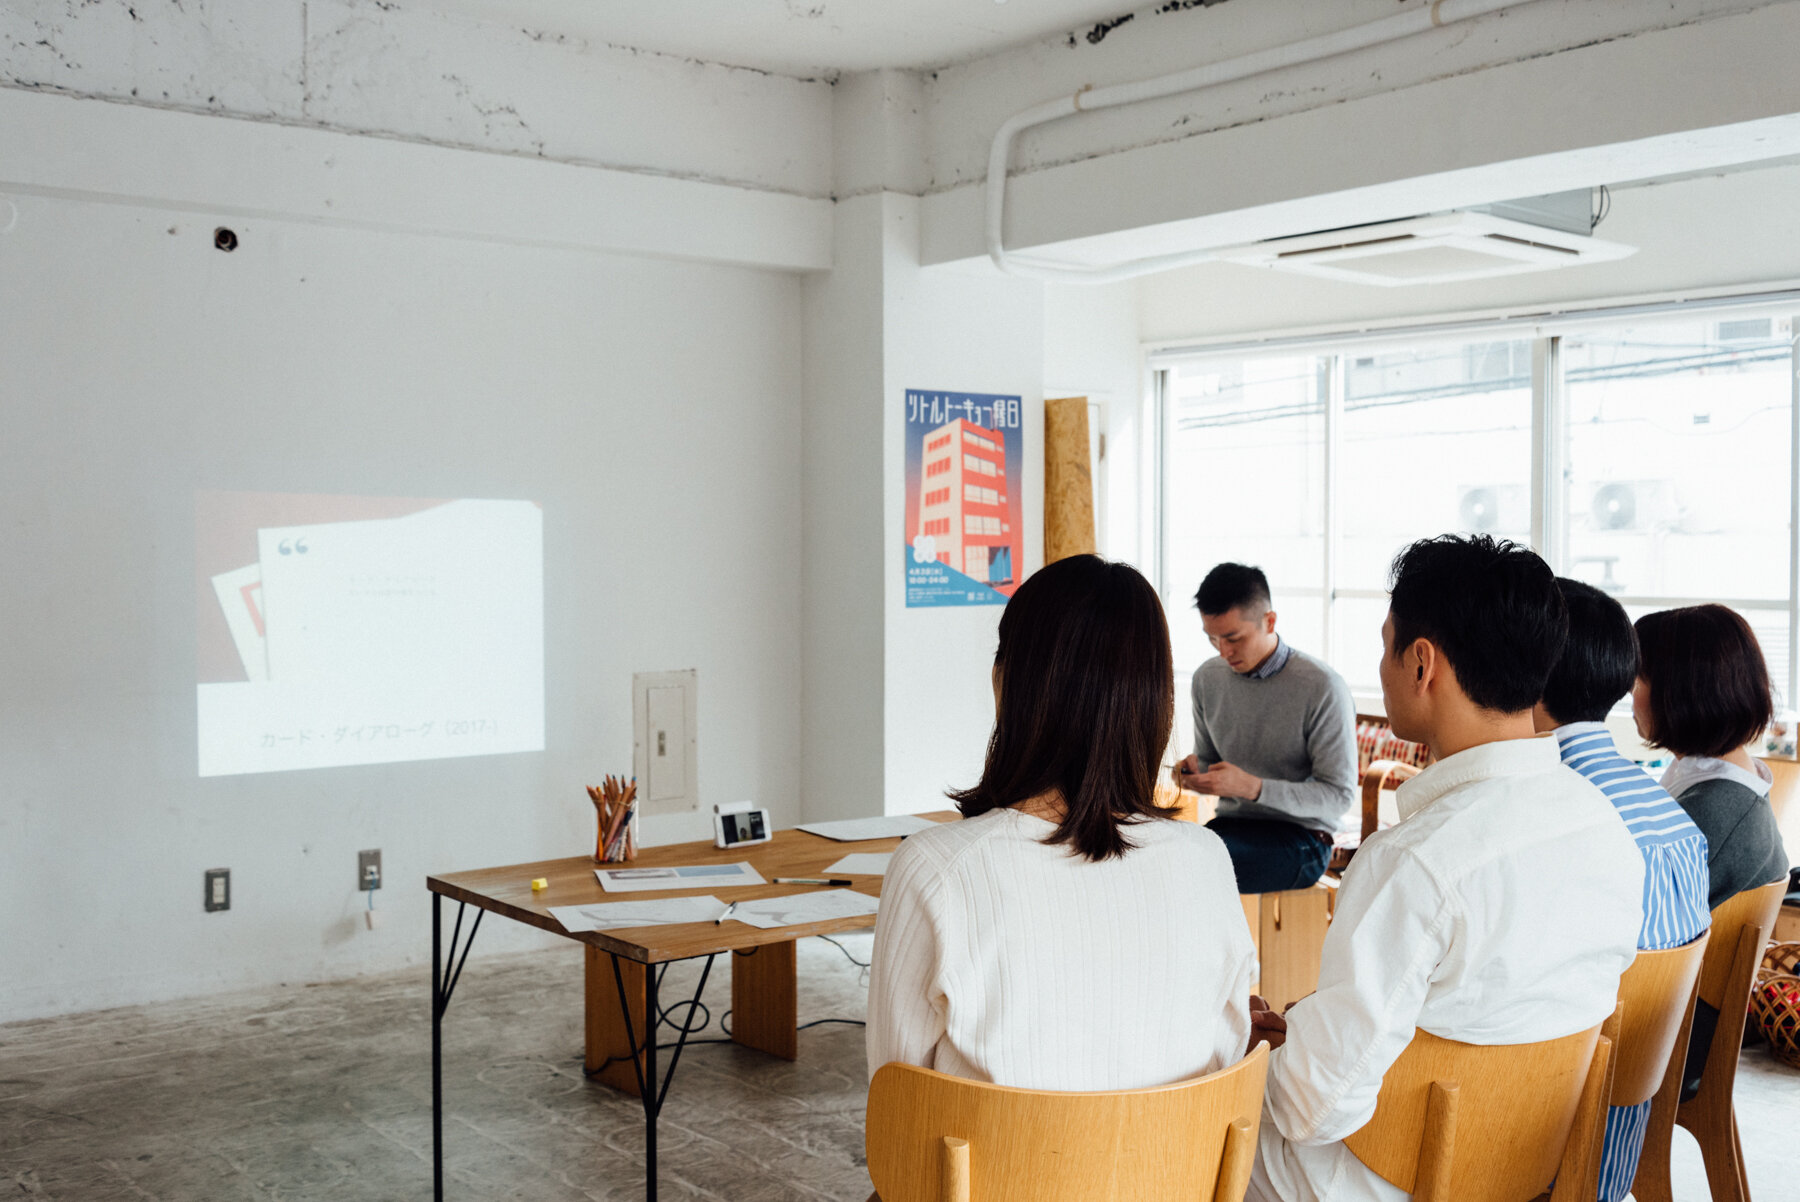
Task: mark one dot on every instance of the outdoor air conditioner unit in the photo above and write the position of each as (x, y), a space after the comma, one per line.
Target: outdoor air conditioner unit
(1494, 509)
(1428, 250)
(1633, 505)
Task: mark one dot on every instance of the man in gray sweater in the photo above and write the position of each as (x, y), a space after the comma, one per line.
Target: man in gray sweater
(1274, 739)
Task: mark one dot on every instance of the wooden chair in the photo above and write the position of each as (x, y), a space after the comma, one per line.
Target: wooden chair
(1288, 928)
(1491, 1123)
(1383, 762)
(937, 1138)
(1656, 995)
(1740, 928)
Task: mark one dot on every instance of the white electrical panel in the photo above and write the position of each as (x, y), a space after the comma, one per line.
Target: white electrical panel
(664, 745)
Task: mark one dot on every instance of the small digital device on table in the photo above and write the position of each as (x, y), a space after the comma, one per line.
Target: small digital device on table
(737, 823)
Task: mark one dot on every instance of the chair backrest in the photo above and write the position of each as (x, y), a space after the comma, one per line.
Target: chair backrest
(1655, 993)
(1488, 1123)
(1751, 908)
(1376, 740)
(931, 1137)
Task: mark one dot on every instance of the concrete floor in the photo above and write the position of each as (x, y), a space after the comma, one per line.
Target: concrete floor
(324, 1092)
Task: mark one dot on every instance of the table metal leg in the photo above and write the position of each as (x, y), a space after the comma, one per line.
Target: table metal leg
(643, 1056)
(443, 984)
(652, 1095)
(437, 1048)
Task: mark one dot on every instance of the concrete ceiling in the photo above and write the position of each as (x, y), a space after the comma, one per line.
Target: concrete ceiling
(802, 38)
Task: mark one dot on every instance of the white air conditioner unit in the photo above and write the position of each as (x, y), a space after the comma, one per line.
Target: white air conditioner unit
(1427, 250)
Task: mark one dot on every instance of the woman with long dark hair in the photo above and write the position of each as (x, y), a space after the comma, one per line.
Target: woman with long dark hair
(1068, 933)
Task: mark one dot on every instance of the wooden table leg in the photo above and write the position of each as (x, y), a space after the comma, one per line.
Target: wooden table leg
(1252, 903)
(1290, 943)
(764, 1000)
(608, 1043)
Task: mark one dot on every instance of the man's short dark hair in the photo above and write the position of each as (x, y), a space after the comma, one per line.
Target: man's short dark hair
(1490, 606)
(1708, 680)
(1232, 586)
(1599, 661)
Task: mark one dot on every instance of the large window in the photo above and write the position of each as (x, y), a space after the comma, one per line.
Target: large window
(1652, 459)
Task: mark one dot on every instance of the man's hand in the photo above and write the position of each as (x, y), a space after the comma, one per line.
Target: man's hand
(1266, 1026)
(1187, 774)
(1224, 780)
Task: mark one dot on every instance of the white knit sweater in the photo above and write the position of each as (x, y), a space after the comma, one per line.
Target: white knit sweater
(1001, 958)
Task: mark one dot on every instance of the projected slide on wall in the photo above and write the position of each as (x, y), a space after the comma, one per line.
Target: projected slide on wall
(366, 630)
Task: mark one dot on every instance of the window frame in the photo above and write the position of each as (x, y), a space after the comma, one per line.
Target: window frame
(1548, 487)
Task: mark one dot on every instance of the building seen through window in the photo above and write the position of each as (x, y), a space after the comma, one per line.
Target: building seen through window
(1666, 479)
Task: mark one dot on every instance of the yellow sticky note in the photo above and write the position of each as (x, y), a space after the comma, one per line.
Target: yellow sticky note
(538, 884)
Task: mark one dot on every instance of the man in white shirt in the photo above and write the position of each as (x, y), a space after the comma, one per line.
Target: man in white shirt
(1503, 906)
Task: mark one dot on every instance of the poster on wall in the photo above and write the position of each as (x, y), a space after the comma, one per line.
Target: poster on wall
(964, 536)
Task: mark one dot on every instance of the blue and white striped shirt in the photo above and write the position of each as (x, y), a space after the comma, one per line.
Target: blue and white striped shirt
(1675, 892)
(1675, 874)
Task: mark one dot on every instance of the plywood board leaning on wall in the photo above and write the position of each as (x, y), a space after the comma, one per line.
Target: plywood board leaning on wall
(1068, 480)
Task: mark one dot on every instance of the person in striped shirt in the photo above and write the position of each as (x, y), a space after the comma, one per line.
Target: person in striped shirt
(1598, 665)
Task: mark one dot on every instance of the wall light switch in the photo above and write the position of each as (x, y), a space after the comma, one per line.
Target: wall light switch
(218, 889)
(664, 747)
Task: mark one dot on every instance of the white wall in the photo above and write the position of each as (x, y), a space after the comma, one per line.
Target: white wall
(897, 704)
(965, 331)
(1091, 349)
(363, 66)
(651, 407)
(842, 537)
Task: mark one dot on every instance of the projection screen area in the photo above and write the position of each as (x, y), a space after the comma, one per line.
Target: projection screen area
(339, 630)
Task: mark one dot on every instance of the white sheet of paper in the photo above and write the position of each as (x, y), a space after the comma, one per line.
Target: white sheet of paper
(865, 863)
(851, 830)
(667, 911)
(682, 876)
(240, 596)
(802, 908)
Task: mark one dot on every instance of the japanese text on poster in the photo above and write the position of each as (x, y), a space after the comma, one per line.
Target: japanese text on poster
(964, 536)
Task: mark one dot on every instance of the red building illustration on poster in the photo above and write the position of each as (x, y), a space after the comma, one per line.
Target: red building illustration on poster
(963, 503)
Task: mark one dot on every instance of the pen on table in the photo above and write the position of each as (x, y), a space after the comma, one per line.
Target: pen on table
(727, 914)
(811, 880)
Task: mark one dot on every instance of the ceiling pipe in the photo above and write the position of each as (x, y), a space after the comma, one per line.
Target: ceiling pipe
(1090, 98)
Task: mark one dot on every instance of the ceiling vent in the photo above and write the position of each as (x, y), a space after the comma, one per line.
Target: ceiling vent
(1427, 250)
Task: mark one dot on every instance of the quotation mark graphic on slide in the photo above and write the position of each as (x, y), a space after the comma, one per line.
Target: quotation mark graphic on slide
(295, 546)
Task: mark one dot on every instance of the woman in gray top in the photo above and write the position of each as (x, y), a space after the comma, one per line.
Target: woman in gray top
(1703, 693)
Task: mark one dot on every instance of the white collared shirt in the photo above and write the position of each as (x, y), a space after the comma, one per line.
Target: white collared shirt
(1501, 909)
(1690, 770)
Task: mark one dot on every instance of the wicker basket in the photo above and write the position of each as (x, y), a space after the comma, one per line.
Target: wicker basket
(1775, 1001)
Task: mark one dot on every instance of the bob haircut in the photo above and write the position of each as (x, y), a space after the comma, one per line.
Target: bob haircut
(1708, 681)
(1599, 661)
(1087, 700)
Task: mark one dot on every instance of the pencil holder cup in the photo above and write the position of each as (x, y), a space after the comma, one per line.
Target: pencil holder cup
(615, 809)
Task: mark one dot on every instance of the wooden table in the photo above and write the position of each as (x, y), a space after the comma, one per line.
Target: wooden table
(621, 976)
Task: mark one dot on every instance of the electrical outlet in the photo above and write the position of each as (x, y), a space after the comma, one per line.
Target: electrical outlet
(218, 889)
(368, 870)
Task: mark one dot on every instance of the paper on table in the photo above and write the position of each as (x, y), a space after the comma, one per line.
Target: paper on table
(802, 908)
(864, 863)
(605, 916)
(682, 876)
(851, 830)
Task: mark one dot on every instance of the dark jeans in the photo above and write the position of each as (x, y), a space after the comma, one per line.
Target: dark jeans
(1270, 855)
